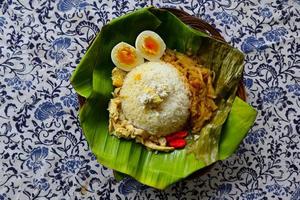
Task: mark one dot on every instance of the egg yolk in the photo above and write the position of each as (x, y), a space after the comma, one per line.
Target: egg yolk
(126, 56)
(150, 45)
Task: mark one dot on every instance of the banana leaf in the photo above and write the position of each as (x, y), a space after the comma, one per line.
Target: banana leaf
(217, 141)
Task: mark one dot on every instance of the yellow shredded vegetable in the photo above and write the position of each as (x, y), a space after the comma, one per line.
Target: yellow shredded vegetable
(200, 84)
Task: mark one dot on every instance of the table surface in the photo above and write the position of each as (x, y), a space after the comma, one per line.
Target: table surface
(43, 152)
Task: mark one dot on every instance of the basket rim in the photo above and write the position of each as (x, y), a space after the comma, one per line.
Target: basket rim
(196, 23)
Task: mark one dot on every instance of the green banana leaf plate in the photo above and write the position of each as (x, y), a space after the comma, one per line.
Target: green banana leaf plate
(218, 139)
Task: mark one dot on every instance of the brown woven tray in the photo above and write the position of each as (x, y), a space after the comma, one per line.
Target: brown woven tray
(203, 26)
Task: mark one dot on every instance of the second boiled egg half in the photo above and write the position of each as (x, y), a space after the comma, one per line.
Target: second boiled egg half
(150, 45)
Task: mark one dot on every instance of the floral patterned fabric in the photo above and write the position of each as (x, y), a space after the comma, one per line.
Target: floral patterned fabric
(43, 152)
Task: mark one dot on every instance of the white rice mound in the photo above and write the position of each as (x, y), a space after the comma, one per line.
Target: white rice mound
(172, 114)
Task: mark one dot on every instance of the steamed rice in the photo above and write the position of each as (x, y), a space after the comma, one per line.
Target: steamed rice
(156, 98)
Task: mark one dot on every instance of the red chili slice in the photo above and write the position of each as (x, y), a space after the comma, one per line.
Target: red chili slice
(177, 135)
(177, 143)
(181, 134)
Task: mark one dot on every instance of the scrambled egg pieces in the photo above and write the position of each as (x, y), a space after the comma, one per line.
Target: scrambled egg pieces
(117, 77)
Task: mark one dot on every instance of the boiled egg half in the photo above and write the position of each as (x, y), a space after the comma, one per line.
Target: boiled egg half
(150, 45)
(125, 56)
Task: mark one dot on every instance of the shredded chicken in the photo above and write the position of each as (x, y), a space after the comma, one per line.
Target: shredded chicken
(122, 128)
